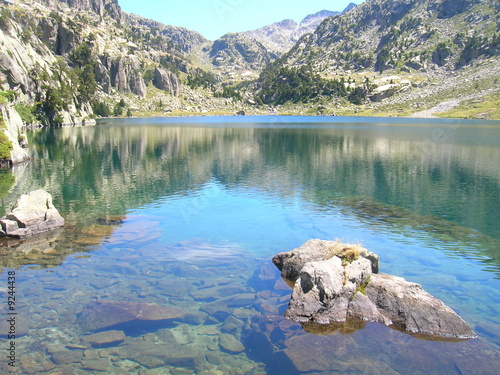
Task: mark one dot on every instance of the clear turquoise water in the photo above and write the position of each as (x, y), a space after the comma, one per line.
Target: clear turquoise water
(204, 204)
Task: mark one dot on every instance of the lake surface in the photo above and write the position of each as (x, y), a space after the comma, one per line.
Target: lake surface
(187, 214)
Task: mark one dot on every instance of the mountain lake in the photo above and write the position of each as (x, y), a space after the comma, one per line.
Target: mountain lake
(182, 216)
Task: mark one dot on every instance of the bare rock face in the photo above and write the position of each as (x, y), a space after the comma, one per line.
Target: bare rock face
(166, 81)
(336, 282)
(14, 132)
(126, 76)
(33, 213)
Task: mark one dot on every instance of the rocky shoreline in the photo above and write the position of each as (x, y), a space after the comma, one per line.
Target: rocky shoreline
(32, 214)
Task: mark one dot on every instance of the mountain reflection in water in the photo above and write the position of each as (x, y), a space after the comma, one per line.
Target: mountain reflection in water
(187, 213)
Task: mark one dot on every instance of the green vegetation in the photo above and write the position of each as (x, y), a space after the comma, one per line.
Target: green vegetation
(229, 92)
(5, 146)
(26, 113)
(282, 84)
(49, 110)
(486, 107)
(118, 109)
(5, 17)
(101, 109)
(476, 46)
(7, 96)
(362, 287)
(349, 255)
(148, 75)
(201, 78)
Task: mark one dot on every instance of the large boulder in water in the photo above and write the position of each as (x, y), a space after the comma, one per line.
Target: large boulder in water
(335, 282)
(33, 213)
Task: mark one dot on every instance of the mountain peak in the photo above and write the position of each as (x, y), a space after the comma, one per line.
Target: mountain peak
(349, 7)
(318, 15)
(287, 24)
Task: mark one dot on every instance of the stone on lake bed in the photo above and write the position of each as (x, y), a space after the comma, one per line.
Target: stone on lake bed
(22, 326)
(102, 314)
(66, 357)
(98, 230)
(111, 220)
(230, 343)
(105, 338)
(95, 364)
(88, 241)
(335, 282)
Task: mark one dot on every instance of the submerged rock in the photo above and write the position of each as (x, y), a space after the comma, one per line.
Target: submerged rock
(33, 213)
(105, 338)
(336, 282)
(103, 314)
(230, 343)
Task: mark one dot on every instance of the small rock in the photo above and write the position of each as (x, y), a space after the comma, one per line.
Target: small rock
(105, 338)
(230, 343)
(70, 356)
(22, 326)
(54, 348)
(150, 361)
(102, 314)
(9, 226)
(98, 230)
(96, 364)
(76, 346)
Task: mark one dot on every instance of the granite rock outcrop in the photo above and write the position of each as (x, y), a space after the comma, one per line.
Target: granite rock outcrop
(33, 213)
(335, 282)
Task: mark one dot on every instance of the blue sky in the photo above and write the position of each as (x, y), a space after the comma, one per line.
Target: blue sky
(214, 18)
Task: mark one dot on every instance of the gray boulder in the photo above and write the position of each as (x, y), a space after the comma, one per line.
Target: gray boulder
(383, 92)
(33, 213)
(336, 282)
(290, 263)
(411, 309)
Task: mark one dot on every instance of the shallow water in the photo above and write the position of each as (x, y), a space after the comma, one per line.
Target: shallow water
(187, 213)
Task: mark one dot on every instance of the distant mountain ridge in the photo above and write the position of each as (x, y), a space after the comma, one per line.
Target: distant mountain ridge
(279, 37)
(427, 39)
(386, 34)
(70, 61)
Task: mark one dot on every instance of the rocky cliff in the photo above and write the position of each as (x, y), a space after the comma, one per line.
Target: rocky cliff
(412, 35)
(69, 61)
(237, 52)
(62, 58)
(13, 139)
(398, 46)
